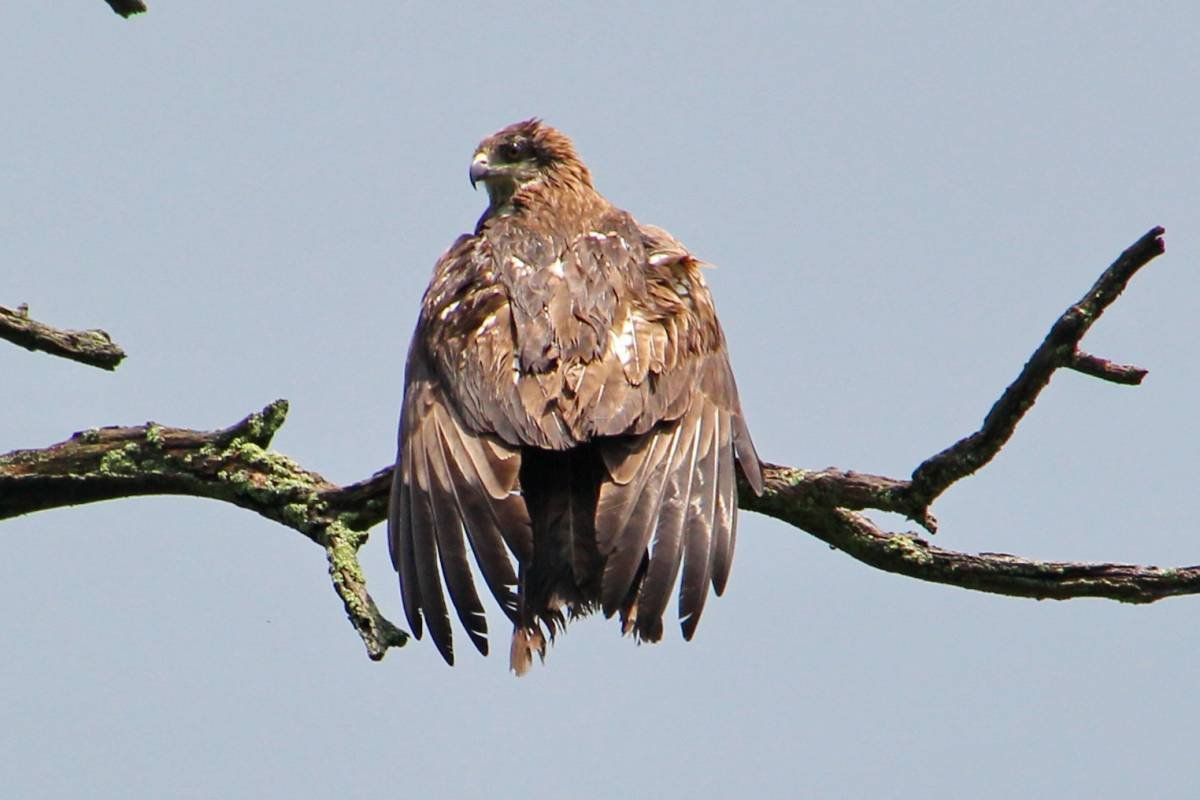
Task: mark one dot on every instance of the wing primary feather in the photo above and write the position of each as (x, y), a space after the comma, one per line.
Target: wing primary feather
(747, 456)
(669, 529)
(425, 551)
(481, 515)
(697, 554)
(447, 516)
(512, 520)
(723, 519)
(627, 514)
(400, 541)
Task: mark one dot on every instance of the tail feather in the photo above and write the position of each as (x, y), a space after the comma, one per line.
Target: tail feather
(526, 641)
(562, 578)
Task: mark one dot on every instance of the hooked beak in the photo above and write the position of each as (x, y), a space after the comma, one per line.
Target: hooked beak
(479, 169)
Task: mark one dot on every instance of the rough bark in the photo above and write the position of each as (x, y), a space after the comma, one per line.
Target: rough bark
(92, 347)
(234, 465)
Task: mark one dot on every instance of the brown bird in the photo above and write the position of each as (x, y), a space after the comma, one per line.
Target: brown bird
(568, 399)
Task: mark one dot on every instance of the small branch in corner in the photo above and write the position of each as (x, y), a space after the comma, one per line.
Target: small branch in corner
(127, 8)
(92, 347)
(1060, 348)
(1106, 370)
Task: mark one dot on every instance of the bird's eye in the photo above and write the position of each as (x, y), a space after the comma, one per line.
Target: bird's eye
(513, 151)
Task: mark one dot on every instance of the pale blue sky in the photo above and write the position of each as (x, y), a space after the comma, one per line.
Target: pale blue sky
(900, 200)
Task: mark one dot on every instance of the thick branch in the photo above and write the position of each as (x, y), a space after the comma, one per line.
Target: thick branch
(234, 465)
(791, 497)
(94, 347)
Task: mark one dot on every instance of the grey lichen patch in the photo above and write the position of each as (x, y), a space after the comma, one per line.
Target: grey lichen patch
(349, 528)
(276, 465)
(910, 548)
(239, 478)
(274, 485)
(342, 551)
(777, 501)
(262, 426)
(123, 461)
(94, 337)
(154, 434)
(133, 459)
(296, 515)
(794, 477)
(275, 478)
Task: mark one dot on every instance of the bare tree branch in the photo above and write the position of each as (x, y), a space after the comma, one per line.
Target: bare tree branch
(1059, 349)
(231, 464)
(997, 573)
(235, 466)
(127, 8)
(93, 347)
(1106, 370)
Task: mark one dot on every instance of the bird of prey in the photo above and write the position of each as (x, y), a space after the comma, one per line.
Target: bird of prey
(569, 404)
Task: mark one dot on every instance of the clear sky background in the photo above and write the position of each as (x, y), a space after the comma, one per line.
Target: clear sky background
(250, 197)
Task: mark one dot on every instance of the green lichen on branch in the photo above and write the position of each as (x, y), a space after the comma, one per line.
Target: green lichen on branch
(341, 549)
(262, 426)
(233, 465)
(909, 548)
(154, 434)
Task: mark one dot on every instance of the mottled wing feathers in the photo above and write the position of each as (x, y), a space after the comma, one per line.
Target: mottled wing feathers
(673, 491)
(448, 478)
(568, 400)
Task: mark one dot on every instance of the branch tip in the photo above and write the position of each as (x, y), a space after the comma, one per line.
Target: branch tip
(92, 347)
(260, 427)
(1105, 370)
(964, 457)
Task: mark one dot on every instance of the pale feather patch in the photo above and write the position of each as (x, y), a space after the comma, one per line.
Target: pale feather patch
(449, 309)
(573, 377)
(624, 344)
(488, 322)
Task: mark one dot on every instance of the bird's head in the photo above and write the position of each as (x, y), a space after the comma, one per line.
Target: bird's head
(523, 156)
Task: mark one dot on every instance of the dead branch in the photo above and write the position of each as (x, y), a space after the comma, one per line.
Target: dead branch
(232, 465)
(1059, 349)
(235, 466)
(92, 347)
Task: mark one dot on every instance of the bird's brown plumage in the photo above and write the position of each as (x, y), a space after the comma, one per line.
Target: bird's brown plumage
(568, 404)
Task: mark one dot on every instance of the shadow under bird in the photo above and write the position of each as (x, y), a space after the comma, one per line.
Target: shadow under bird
(569, 405)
